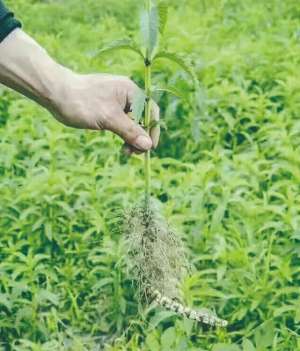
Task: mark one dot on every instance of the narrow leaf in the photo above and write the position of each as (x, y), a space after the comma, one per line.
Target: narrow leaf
(138, 105)
(196, 129)
(123, 44)
(171, 91)
(149, 24)
(163, 16)
(179, 60)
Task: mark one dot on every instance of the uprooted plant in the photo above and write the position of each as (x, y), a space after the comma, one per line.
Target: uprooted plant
(156, 254)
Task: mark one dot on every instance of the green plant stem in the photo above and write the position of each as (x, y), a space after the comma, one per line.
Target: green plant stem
(147, 126)
(147, 120)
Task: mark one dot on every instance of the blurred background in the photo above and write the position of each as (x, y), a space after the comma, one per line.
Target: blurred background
(226, 171)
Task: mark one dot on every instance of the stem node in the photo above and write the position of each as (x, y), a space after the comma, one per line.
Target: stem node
(147, 62)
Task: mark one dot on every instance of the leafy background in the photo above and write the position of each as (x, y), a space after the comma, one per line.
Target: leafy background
(232, 191)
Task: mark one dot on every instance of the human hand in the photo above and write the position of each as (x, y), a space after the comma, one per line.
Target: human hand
(94, 101)
(103, 102)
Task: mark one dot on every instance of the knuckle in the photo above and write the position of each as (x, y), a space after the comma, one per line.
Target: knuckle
(129, 84)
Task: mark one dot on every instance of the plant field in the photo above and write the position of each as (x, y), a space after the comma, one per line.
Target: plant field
(227, 174)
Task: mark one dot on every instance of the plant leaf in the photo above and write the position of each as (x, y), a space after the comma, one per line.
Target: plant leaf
(170, 91)
(163, 16)
(225, 347)
(247, 345)
(160, 317)
(122, 44)
(196, 129)
(179, 60)
(138, 105)
(149, 24)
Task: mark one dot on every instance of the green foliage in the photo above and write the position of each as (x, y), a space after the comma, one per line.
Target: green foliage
(138, 105)
(179, 60)
(234, 194)
(163, 10)
(149, 23)
(120, 44)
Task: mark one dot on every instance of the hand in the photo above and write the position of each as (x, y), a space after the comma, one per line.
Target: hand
(102, 102)
(95, 101)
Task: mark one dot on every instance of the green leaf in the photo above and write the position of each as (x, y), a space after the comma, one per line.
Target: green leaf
(168, 338)
(151, 342)
(163, 16)
(122, 44)
(138, 105)
(102, 282)
(48, 231)
(160, 317)
(248, 346)
(44, 295)
(225, 347)
(149, 24)
(170, 91)
(5, 301)
(265, 334)
(179, 60)
(196, 129)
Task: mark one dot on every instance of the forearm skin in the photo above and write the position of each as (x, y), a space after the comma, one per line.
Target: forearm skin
(27, 68)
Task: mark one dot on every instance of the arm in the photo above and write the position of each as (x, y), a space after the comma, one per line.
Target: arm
(95, 101)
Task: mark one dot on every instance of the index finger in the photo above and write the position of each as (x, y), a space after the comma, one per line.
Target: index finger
(132, 92)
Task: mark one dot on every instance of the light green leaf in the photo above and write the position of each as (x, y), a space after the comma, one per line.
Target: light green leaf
(168, 338)
(179, 60)
(149, 24)
(248, 346)
(45, 295)
(170, 91)
(163, 16)
(196, 129)
(48, 231)
(151, 342)
(264, 334)
(122, 44)
(225, 347)
(138, 105)
(102, 282)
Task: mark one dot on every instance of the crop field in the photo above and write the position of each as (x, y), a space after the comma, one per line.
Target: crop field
(226, 175)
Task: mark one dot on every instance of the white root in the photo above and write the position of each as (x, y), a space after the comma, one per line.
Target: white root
(199, 316)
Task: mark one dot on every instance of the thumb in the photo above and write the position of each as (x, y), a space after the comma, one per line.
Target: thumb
(129, 131)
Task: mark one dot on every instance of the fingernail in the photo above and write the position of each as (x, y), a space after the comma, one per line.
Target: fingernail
(143, 143)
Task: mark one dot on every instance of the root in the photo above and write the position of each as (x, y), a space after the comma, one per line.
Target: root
(202, 316)
(157, 261)
(156, 255)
